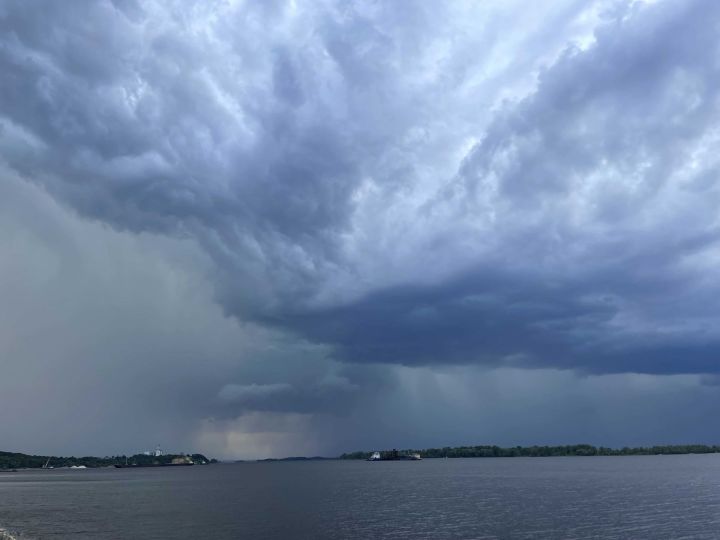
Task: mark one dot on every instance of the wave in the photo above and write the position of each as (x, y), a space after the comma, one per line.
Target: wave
(4, 535)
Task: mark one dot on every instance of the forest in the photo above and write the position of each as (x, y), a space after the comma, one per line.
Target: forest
(488, 451)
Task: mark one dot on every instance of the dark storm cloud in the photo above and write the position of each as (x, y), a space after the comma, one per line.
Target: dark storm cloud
(391, 182)
(252, 142)
(129, 120)
(603, 207)
(527, 321)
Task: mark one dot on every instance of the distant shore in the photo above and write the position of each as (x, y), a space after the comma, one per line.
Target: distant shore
(13, 461)
(19, 461)
(490, 451)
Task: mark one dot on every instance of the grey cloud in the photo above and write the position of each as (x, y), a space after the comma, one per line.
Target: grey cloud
(362, 186)
(111, 341)
(149, 125)
(258, 152)
(586, 193)
(166, 139)
(332, 392)
(247, 392)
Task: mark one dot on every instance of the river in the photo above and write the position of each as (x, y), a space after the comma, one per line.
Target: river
(567, 497)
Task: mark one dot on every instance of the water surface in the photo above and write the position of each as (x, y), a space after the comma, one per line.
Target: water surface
(568, 497)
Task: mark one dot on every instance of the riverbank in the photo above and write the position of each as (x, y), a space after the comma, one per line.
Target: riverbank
(487, 451)
(19, 461)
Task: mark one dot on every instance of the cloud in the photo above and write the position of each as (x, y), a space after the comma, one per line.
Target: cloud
(111, 342)
(248, 392)
(577, 231)
(282, 397)
(332, 392)
(242, 213)
(580, 208)
(256, 149)
(472, 405)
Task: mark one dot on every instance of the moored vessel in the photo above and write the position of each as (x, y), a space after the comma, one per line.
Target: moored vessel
(394, 455)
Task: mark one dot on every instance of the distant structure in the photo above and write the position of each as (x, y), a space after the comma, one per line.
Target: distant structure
(157, 452)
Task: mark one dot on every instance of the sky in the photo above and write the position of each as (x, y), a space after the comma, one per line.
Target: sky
(266, 229)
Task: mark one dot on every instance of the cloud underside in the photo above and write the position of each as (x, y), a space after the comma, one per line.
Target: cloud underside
(370, 189)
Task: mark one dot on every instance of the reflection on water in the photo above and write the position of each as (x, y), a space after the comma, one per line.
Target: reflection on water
(567, 497)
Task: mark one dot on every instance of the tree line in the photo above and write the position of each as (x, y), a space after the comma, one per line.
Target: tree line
(15, 460)
(548, 451)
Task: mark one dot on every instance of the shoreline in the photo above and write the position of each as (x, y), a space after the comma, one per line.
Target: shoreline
(579, 450)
